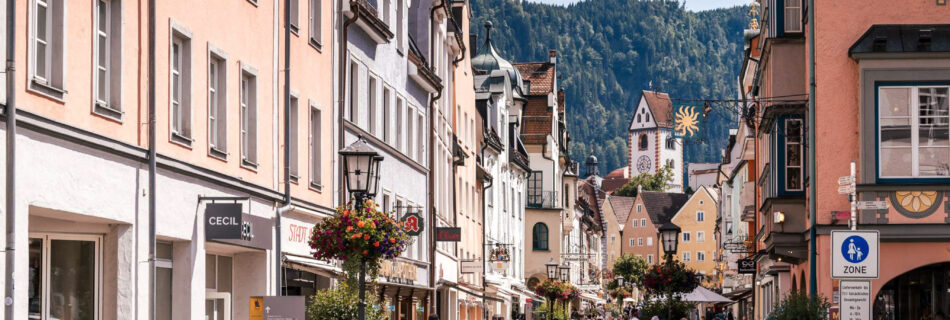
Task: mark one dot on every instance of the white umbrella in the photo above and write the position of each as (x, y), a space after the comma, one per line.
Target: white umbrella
(701, 294)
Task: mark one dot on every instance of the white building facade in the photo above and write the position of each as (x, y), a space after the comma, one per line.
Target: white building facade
(650, 140)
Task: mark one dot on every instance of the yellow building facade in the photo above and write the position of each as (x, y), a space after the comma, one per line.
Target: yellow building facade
(697, 242)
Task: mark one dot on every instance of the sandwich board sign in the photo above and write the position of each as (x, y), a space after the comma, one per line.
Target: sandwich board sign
(855, 254)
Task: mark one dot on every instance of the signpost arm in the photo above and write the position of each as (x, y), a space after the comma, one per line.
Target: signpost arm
(854, 198)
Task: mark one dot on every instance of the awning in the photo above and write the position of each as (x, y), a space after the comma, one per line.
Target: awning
(592, 297)
(313, 265)
(701, 294)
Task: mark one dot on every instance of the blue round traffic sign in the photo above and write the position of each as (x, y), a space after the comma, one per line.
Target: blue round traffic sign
(855, 249)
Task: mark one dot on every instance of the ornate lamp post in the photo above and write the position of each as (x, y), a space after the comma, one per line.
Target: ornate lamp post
(669, 234)
(565, 272)
(552, 269)
(361, 174)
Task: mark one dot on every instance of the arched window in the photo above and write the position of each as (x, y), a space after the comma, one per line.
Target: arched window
(643, 142)
(540, 233)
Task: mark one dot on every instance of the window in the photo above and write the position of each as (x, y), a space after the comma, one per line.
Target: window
(686, 256)
(649, 241)
(180, 88)
(316, 143)
(793, 15)
(639, 241)
(63, 277)
(249, 118)
(793, 155)
(700, 216)
(48, 43)
(635, 223)
(700, 236)
(400, 128)
(217, 106)
(400, 4)
(913, 132)
(650, 258)
(107, 84)
(640, 208)
(218, 271)
(384, 12)
(371, 101)
(294, 138)
(410, 131)
(670, 164)
(354, 92)
(535, 185)
(294, 16)
(163, 280)
(643, 222)
(316, 23)
(633, 242)
(643, 142)
(700, 256)
(685, 236)
(670, 143)
(540, 237)
(421, 149)
(387, 113)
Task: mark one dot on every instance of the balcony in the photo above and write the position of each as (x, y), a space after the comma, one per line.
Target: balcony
(543, 200)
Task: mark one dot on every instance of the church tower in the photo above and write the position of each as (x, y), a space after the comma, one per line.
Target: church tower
(650, 141)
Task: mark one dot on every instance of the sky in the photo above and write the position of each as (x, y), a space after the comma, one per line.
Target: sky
(692, 5)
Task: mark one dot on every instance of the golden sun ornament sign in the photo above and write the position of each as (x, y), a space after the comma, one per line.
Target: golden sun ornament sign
(687, 121)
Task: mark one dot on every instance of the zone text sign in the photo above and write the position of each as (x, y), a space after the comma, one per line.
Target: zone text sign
(855, 254)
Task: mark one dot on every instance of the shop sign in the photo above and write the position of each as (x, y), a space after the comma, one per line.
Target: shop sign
(474, 266)
(398, 272)
(224, 221)
(298, 237)
(746, 266)
(413, 223)
(854, 255)
(855, 300)
(833, 313)
(277, 308)
(688, 120)
(499, 266)
(448, 234)
(499, 253)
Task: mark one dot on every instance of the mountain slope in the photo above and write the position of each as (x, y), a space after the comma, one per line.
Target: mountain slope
(610, 50)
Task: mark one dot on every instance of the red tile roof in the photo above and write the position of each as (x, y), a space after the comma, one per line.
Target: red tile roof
(540, 75)
(660, 106)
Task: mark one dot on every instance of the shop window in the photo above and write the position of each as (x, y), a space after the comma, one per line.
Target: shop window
(63, 277)
(163, 281)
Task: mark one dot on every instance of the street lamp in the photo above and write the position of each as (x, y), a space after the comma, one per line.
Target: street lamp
(361, 173)
(552, 269)
(669, 233)
(565, 272)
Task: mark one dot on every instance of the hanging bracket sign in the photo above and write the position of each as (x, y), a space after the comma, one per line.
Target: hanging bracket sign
(413, 223)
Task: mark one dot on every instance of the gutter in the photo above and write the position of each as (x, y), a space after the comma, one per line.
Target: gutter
(432, 216)
(812, 207)
(10, 114)
(287, 199)
(152, 160)
(342, 92)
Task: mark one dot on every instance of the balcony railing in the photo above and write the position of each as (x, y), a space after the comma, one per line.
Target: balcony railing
(542, 199)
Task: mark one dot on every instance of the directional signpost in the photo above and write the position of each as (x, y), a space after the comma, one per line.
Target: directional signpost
(872, 205)
(855, 254)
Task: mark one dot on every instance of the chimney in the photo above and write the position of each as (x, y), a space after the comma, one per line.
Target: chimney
(553, 55)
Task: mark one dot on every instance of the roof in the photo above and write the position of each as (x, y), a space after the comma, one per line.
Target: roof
(617, 173)
(539, 75)
(613, 183)
(661, 206)
(621, 207)
(904, 38)
(590, 194)
(660, 106)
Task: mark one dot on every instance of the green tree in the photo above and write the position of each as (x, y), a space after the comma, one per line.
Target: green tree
(650, 182)
(798, 306)
(631, 268)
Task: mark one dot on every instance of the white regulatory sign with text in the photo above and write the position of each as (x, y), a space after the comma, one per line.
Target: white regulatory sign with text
(855, 300)
(855, 254)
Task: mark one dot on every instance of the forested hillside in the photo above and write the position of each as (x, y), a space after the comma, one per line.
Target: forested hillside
(610, 50)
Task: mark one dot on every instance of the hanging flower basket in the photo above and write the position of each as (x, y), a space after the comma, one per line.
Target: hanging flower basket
(556, 289)
(672, 277)
(367, 234)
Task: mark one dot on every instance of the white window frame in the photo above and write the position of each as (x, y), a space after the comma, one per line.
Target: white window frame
(100, 37)
(51, 82)
(640, 242)
(639, 207)
(914, 119)
(649, 241)
(315, 10)
(294, 16)
(636, 223)
(700, 256)
(686, 237)
(633, 242)
(181, 129)
(217, 106)
(686, 256)
(650, 258)
(793, 13)
(372, 103)
(46, 76)
(248, 86)
(353, 76)
(316, 145)
(294, 139)
(643, 222)
(700, 216)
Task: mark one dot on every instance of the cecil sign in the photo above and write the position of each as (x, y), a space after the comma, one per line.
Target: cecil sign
(223, 221)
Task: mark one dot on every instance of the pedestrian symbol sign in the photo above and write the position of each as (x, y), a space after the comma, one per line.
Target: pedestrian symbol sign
(855, 254)
(855, 249)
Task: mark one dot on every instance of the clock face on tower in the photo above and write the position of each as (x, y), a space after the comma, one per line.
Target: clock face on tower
(644, 164)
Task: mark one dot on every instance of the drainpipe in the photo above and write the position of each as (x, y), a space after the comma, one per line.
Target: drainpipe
(484, 228)
(11, 162)
(342, 93)
(152, 154)
(287, 198)
(812, 236)
(432, 216)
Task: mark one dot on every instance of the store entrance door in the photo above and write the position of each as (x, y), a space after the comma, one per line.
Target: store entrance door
(64, 277)
(217, 306)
